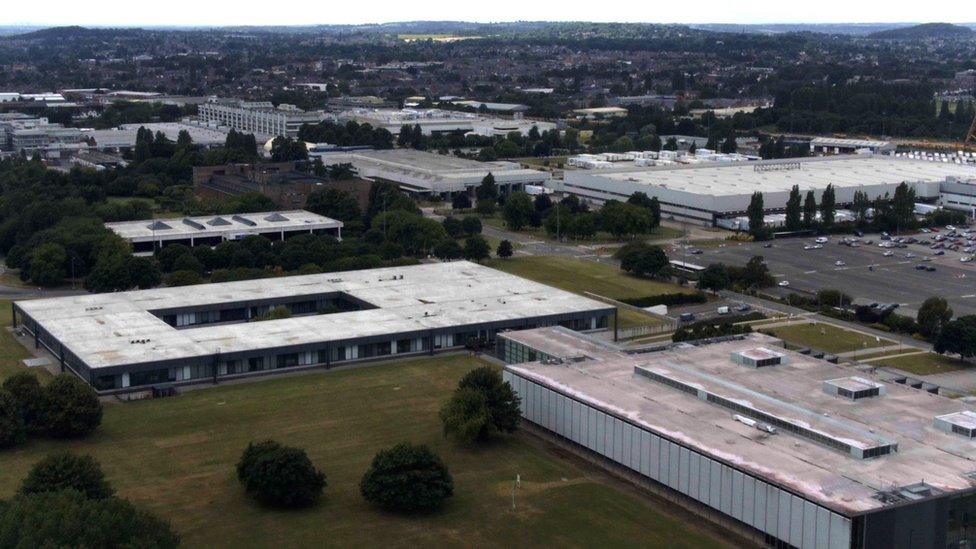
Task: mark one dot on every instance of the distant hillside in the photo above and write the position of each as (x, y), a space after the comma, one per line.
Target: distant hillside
(925, 31)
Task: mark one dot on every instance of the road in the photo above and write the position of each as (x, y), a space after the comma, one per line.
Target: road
(893, 279)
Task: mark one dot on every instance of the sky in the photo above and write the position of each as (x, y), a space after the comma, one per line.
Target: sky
(307, 12)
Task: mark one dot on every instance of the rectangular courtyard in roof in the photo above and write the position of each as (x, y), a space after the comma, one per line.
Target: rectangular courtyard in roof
(214, 229)
(770, 447)
(128, 340)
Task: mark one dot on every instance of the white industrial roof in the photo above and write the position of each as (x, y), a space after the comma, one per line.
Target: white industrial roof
(723, 179)
(100, 328)
(125, 135)
(221, 225)
(608, 380)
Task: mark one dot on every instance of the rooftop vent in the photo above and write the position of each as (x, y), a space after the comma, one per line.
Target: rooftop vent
(195, 224)
(218, 222)
(912, 492)
(244, 220)
(275, 217)
(853, 387)
(760, 357)
(960, 423)
(158, 226)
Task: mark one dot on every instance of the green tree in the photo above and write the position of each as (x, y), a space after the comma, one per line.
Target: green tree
(903, 207)
(280, 476)
(809, 210)
(715, 277)
(64, 470)
(487, 195)
(518, 210)
(476, 248)
(184, 278)
(756, 213)
(860, 205)
(448, 249)
(643, 260)
(504, 249)
(958, 336)
(407, 479)
(47, 263)
(68, 519)
(471, 225)
(334, 203)
(932, 316)
(621, 219)
(828, 206)
(500, 401)
(109, 275)
(794, 210)
(30, 397)
(144, 272)
(73, 408)
(12, 428)
(465, 415)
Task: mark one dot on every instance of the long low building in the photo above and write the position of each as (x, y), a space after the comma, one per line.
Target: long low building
(148, 234)
(703, 193)
(787, 449)
(124, 136)
(424, 173)
(133, 340)
(435, 121)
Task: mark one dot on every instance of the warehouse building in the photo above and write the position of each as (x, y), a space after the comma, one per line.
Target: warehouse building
(147, 234)
(124, 136)
(134, 340)
(704, 193)
(424, 173)
(834, 145)
(786, 449)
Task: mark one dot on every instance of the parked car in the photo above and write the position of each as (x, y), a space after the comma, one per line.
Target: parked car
(784, 283)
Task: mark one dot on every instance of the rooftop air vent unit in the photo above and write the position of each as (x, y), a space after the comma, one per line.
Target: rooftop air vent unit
(853, 387)
(158, 226)
(960, 423)
(760, 357)
(275, 217)
(218, 222)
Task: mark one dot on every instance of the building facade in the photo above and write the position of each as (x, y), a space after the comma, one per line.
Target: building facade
(785, 449)
(257, 117)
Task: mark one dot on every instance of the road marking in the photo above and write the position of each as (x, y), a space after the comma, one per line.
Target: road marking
(967, 296)
(809, 272)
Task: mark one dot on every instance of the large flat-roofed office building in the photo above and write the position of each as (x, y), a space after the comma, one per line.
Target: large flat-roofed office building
(784, 448)
(149, 234)
(131, 340)
(434, 121)
(261, 118)
(703, 193)
(424, 173)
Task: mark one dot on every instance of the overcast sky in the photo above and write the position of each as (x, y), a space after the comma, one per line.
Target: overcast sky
(306, 12)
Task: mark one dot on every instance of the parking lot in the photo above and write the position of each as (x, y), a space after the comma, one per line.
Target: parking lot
(866, 273)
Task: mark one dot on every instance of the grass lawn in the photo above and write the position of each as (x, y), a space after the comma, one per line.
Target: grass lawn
(11, 352)
(924, 364)
(827, 338)
(580, 276)
(577, 275)
(176, 457)
(658, 233)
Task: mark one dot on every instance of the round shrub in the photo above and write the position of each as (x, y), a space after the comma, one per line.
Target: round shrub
(30, 398)
(67, 471)
(12, 429)
(280, 476)
(69, 519)
(73, 408)
(407, 479)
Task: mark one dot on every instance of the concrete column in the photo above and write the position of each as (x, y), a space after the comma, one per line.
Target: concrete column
(13, 314)
(125, 380)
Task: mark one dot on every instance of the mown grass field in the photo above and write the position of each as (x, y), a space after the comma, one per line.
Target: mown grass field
(11, 352)
(924, 363)
(826, 337)
(580, 276)
(176, 457)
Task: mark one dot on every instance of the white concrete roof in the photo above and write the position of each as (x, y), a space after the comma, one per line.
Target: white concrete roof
(100, 328)
(814, 173)
(607, 380)
(436, 172)
(221, 225)
(125, 135)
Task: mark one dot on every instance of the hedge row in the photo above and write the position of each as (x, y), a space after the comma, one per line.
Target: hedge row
(670, 300)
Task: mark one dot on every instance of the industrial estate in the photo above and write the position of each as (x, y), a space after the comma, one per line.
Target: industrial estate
(489, 284)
